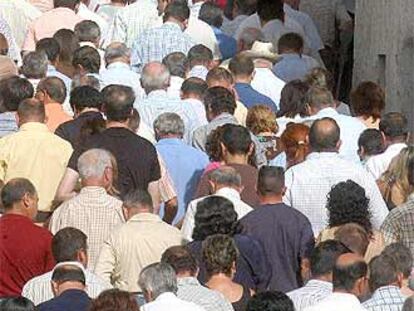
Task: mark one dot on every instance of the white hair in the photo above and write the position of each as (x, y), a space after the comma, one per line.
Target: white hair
(92, 163)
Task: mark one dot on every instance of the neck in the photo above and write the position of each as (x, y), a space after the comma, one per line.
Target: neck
(88, 110)
(16, 211)
(242, 79)
(219, 278)
(111, 124)
(93, 182)
(333, 150)
(325, 278)
(397, 140)
(271, 199)
(175, 21)
(185, 274)
(167, 136)
(70, 285)
(236, 159)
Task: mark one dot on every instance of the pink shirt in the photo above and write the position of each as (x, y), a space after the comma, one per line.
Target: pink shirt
(47, 24)
(42, 5)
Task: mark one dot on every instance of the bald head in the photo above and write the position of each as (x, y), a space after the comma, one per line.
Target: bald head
(349, 273)
(4, 45)
(324, 135)
(155, 76)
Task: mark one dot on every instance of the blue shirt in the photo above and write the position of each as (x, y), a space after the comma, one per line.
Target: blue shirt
(294, 67)
(185, 165)
(250, 97)
(227, 44)
(69, 300)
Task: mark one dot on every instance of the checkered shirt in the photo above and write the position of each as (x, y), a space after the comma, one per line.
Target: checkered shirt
(310, 294)
(386, 298)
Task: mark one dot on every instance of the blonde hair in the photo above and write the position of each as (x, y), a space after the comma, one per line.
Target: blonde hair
(261, 119)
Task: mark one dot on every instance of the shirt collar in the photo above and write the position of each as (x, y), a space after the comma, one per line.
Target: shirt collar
(145, 217)
(63, 9)
(188, 281)
(320, 284)
(170, 141)
(166, 296)
(87, 43)
(157, 94)
(93, 189)
(229, 193)
(34, 127)
(224, 116)
(118, 65)
(326, 112)
(172, 25)
(391, 290)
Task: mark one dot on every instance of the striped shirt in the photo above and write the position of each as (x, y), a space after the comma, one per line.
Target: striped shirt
(310, 294)
(386, 298)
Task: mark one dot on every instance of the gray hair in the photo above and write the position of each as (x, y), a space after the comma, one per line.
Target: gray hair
(250, 36)
(154, 80)
(169, 123)
(116, 50)
(35, 65)
(92, 163)
(158, 278)
(225, 176)
(85, 80)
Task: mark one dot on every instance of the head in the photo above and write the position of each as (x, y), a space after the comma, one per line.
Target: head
(68, 44)
(13, 91)
(290, 43)
(182, 261)
(70, 244)
(218, 100)
(242, 68)
(85, 80)
(70, 4)
(136, 202)
(155, 76)
(219, 255)
(383, 271)
(324, 136)
(50, 47)
(200, 55)
(244, 7)
(84, 98)
(31, 110)
(4, 45)
(320, 77)
(118, 102)
(17, 304)
(51, 90)
(269, 10)
(86, 60)
(295, 143)
(402, 257)
(353, 236)
(214, 215)
(219, 76)
(248, 37)
(212, 14)
(95, 168)
(177, 12)
(88, 31)
(177, 64)
(261, 119)
(368, 100)
(117, 52)
(8, 68)
(271, 182)
(67, 276)
(35, 65)
(347, 203)
(169, 125)
(193, 88)
(114, 299)
(370, 143)
(156, 279)
(236, 142)
(318, 98)
(19, 196)
(292, 99)
(270, 301)
(350, 275)
(225, 177)
(394, 127)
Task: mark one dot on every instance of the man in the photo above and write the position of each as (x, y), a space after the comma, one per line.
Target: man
(159, 285)
(192, 93)
(309, 182)
(322, 262)
(51, 92)
(321, 104)
(156, 43)
(384, 282)
(93, 210)
(86, 61)
(242, 68)
(200, 61)
(34, 67)
(68, 285)
(395, 132)
(177, 65)
(225, 182)
(13, 90)
(35, 153)
(25, 249)
(349, 283)
(285, 233)
(69, 245)
(189, 288)
(63, 16)
(136, 244)
(353, 236)
(118, 69)
(240, 11)
(185, 163)
(293, 65)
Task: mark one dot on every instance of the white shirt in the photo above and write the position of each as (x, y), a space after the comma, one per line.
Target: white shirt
(174, 90)
(233, 195)
(199, 109)
(378, 164)
(282, 122)
(87, 14)
(313, 292)
(338, 302)
(170, 302)
(309, 183)
(266, 83)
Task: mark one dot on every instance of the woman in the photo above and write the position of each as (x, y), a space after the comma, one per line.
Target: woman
(393, 184)
(367, 103)
(216, 215)
(114, 299)
(295, 144)
(347, 203)
(220, 256)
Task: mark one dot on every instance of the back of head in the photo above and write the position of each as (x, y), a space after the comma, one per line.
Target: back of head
(87, 58)
(368, 100)
(241, 65)
(118, 102)
(31, 110)
(219, 76)
(245, 7)
(402, 257)
(176, 64)
(4, 45)
(167, 124)
(67, 243)
(70, 4)
(14, 191)
(394, 125)
(176, 10)
(88, 31)
(68, 273)
(93, 163)
(236, 139)
(54, 87)
(50, 47)
(294, 141)
(290, 42)
(324, 135)
(371, 142)
(83, 97)
(155, 76)
(17, 304)
(114, 299)
(248, 37)
(292, 99)
(195, 87)
(348, 269)
(383, 271)
(117, 51)
(260, 119)
(320, 77)
(270, 9)
(35, 65)
(270, 301)
(199, 55)
(14, 90)
(158, 278)
(138, 199)
(225, 176)
(212, 14)
(324, 256)
(218, 100)
(353, 236)
(181, 259)
(271, 181)
(68, 44)
(86, 80)
(319, 98)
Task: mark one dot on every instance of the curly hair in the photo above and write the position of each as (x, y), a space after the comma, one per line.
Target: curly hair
(114, 299)
(213, 147)
(347, 202)
(215, 215)
(219, 254)
(261, 119)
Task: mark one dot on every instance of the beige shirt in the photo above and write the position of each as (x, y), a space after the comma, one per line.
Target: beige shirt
(133, 246)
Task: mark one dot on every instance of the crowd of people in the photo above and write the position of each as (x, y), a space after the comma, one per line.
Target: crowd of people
(197, 155)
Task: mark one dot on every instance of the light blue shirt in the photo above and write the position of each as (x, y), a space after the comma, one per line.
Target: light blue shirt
(185, 165)
(294, 66)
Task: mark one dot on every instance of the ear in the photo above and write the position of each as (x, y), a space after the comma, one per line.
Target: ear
(223, 148)
(400, 279)
(185, 24)
(251, 149)
(26, 200)
(305, 269)
(212, 186)
(55, 288)
(309, 109)
(82, 257)
(338, 145)
(125, 212)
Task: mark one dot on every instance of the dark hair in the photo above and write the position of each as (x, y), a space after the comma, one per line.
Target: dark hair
(241, 65)
(87, 31)
(138, 197)
(324, 135)
(270, 301)
(50, 47)
(213, 147)
(199, 54)
(323, 257)
(176, 10)
(270, 9)
(383, 271)
(411, 172)
(71, 4)
(368, 100)
(236, 139)
(88, 58)
(17, 304)
(292, 99)
(34, 65)
(219, 254)
(371, 141)
(219, 100)
(54, 87)
(68, 273)
(290, 42)
(66, 244)
(219, 74)
(118, 102)
(246, 7)
(353, 236)
(212, 14)
(13, 90)
(347, 202)
(68, 44)
(271, 180)
(181, 259)
(195, 86)
(31, 109)
(345, 276)
(214, 215)
(83, 97)
(114, 299)
(402, 256)
(176, 63)
(14, 191)
(394, 125)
